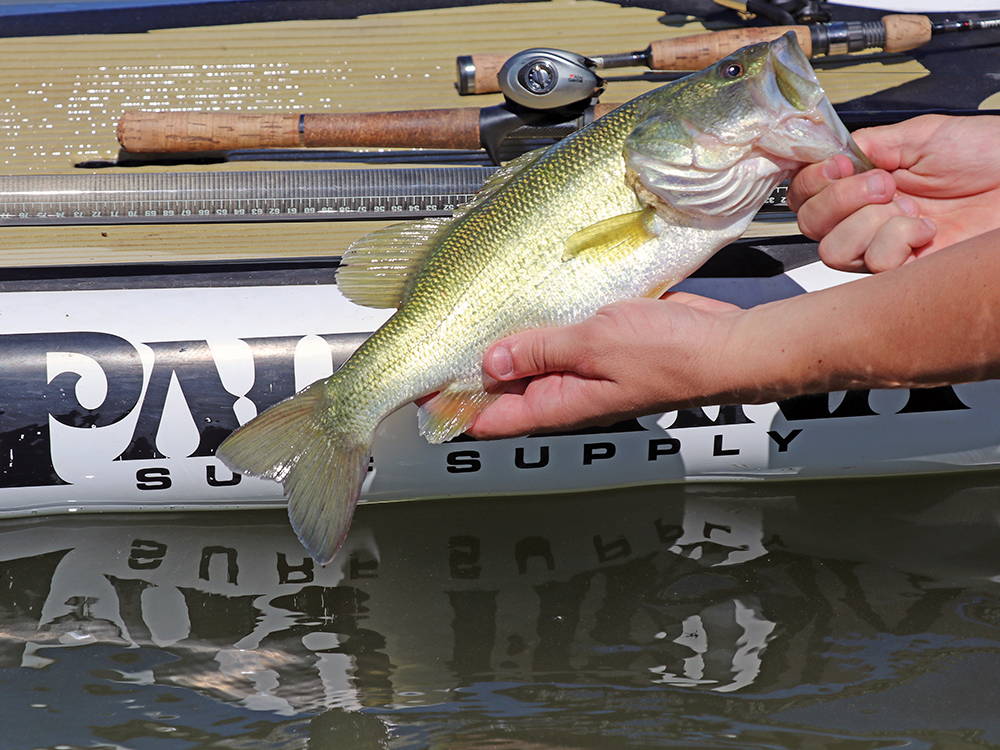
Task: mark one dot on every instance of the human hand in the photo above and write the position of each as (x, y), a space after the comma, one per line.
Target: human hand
(631, 358)
(936, 182)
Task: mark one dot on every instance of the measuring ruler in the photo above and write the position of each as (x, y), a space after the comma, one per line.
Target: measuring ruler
(276, 195)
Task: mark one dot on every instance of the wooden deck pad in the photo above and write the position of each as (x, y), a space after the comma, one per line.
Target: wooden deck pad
(62, 96)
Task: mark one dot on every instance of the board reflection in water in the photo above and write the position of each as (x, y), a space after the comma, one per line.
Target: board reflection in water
(856, 612)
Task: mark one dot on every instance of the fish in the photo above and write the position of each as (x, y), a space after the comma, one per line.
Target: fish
(625, 207)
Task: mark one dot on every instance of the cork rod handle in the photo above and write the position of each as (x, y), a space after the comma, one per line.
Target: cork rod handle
(700, 50)
(905, 31)
(178, 132)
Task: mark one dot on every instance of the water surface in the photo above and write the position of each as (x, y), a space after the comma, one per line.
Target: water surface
(847, 614)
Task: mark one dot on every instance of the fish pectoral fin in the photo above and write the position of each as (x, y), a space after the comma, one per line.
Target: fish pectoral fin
(376, 270)
(611, 238)
(452, 411)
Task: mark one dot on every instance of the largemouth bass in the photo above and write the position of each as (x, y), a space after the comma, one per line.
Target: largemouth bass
(625, 207)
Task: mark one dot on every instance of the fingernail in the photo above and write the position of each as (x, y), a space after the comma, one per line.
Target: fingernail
(877, 185)
(501, 362)
(831, 169)
(907, 205)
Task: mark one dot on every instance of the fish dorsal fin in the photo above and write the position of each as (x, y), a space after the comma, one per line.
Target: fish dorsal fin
(376, 269)
(500, 178)
(611, 238)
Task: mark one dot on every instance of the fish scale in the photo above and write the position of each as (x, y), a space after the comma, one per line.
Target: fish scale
(622, 208)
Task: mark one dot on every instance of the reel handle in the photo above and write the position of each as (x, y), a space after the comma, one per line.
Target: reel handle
(478, 74)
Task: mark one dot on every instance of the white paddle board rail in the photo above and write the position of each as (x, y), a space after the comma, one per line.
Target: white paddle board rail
(119, 382)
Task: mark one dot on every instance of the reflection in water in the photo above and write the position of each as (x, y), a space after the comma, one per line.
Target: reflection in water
(797, 614)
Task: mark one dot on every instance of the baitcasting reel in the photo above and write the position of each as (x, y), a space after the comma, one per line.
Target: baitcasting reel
(544, 78)
(546, 91)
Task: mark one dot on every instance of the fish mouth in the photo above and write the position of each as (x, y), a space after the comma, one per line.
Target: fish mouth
(808, 128)
(793, 74)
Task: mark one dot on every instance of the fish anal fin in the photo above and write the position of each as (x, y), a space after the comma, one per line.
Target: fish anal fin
(376, 269)
(611, 238)
(452, 411)
(660, 289)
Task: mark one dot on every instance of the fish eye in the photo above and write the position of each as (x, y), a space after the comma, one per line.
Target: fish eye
(732, 70)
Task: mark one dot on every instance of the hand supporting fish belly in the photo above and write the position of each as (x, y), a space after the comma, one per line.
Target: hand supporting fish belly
(626, 207)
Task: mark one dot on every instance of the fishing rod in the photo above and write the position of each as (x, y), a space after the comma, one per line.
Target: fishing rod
(548, 94)
(965, 24)
(478, 74)
(532, 111)
(785, 12)
(490, 128)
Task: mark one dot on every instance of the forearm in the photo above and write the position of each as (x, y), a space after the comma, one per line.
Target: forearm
(931, 322)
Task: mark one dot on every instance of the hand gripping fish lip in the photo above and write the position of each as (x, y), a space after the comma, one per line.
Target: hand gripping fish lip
(811, 109)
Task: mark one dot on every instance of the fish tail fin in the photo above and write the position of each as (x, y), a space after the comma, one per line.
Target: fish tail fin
(296, 442)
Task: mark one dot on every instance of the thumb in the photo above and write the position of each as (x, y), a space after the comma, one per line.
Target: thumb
(534, 352)
(883, 144)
